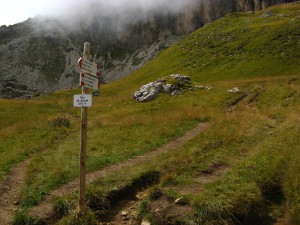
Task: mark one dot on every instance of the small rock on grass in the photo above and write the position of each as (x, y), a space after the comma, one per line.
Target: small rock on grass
(145, 222)
(124, 213)
(180, 201)
(234, 90)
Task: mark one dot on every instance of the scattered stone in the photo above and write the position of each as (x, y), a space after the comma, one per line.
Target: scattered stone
(181, 78)
(234, 90)
(145, 222)
(138, 196)
(176, 92)
(204, 87)
(200, 87)
(124, 213)
(16, 203)
(180, 201)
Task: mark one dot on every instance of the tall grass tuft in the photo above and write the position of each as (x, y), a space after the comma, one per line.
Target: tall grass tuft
(62, 207)
(22, 218)
(77, 218)
(60, 122)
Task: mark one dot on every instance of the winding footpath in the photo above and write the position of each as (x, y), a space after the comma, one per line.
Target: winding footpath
(10, 192)
(15, 179)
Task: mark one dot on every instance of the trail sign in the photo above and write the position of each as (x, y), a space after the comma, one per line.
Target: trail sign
(89, 78)
(89, 81)
(88, 67)
(83, 100)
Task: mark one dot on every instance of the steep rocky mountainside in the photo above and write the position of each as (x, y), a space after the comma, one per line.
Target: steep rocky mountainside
(40, 55)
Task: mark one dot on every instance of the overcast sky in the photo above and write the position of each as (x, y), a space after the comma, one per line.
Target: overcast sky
(15, 11)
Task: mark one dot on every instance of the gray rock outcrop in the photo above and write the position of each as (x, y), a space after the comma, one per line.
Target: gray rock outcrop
(148, 92)
(151, 90)
(11, 89)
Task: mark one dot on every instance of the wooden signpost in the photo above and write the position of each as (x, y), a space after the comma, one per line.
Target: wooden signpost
(89, 79)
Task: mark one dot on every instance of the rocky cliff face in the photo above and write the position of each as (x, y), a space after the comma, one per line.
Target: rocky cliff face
(41, 55)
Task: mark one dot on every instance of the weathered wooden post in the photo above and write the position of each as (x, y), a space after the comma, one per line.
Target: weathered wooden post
(83, 137)
(89, 78)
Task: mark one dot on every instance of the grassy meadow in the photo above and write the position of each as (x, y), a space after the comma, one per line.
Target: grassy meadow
(254, 143)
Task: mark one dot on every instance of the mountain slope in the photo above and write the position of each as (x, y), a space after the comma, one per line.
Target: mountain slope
(40, 54)
(243, 169)
(239, 46)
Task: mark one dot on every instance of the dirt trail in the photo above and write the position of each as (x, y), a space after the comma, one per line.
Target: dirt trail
(9, 192)
(162, 208)
(125, 212)
(44, 209)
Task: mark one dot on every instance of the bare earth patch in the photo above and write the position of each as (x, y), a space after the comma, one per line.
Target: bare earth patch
(9, 192)
(163, 210)
(126, 212)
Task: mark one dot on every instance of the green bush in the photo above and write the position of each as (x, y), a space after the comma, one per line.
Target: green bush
(60, 122)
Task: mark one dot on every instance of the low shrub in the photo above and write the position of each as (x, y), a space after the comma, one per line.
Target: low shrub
(60, 122)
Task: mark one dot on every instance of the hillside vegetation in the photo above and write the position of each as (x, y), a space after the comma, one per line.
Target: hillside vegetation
(244, 168)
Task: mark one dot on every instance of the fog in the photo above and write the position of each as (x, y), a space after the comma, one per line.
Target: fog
(117, 13)
(67, 8)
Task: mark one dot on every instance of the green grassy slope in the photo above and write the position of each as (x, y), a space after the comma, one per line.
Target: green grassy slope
(256, 141)
(239, 46)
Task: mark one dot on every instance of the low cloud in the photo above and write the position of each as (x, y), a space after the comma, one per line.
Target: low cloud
(116, 13)
(80, 7)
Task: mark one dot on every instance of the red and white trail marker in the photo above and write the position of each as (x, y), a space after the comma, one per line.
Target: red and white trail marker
(89, 81)
(90, 73)
(89, 67)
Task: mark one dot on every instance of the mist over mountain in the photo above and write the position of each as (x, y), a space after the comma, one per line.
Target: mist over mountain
(41, 54)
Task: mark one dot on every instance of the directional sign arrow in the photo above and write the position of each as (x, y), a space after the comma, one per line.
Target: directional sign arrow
(88, 67)
(89, 81)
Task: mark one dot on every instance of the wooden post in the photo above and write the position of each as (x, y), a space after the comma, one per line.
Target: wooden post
(83, 136)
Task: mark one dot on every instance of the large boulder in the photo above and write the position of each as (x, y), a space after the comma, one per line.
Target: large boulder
(150, 91)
